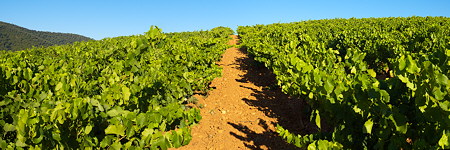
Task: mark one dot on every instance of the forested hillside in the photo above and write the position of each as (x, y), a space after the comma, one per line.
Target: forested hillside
(13, 37)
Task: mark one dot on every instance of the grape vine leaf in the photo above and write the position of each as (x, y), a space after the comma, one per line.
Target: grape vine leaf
(115, 129)
(368, 126)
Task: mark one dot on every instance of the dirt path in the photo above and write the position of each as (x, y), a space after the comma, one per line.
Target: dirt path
(242, 110)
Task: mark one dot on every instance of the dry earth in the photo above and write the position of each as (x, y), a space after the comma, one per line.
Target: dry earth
(242, 110)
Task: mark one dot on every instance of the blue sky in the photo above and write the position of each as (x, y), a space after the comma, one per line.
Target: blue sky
(110, 18)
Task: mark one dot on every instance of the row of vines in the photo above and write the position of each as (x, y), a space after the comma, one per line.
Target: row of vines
(123, 92)
(371, 83)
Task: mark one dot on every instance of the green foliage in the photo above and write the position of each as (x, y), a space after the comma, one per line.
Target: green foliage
(16, 38)
(118, 93)
(380, 83)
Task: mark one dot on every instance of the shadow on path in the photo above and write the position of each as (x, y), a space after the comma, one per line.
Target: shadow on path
(268, 139)
(289, 112)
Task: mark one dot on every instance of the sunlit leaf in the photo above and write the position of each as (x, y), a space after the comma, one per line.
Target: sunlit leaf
(115, 129)
(368, 126)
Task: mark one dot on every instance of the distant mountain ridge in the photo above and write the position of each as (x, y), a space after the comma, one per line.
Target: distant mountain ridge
(13, 37)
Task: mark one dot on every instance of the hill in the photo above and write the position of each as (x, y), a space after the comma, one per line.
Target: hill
(13, 37)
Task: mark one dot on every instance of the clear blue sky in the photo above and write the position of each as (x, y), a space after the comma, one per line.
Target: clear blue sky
(110, 18)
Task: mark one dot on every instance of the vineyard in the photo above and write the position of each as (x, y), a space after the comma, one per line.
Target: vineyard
(124, 92)
(371, 83)
(374, 83)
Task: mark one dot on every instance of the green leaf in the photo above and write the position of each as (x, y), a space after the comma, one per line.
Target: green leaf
(115, 129)
(445, 105)
(310, 95)
(95, 102)
(289, 137)
(141, 120)
(409, 84)
(329, 86)
(401, 63)
(38, 139)
(116, 146)
(58, 86)
(162, 142)
(325, 145)
(20, 143)
(27, 73)
(106, 141)
(147, 132)
(188, 76)
(441, 79)
(56, 136)
(3, 144)
(372, 73)
(307, 68)
(9, 127)
(126, 93)
(177, 138)
(399, 121)
(88, 129)
(438, 94)
(113, 112)
(353, 70)
(368, 126)
(317, 120)
(385, 96)
(8, 74)
(42, 96)
(412, 66)
(444, 142)
(312, 146)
